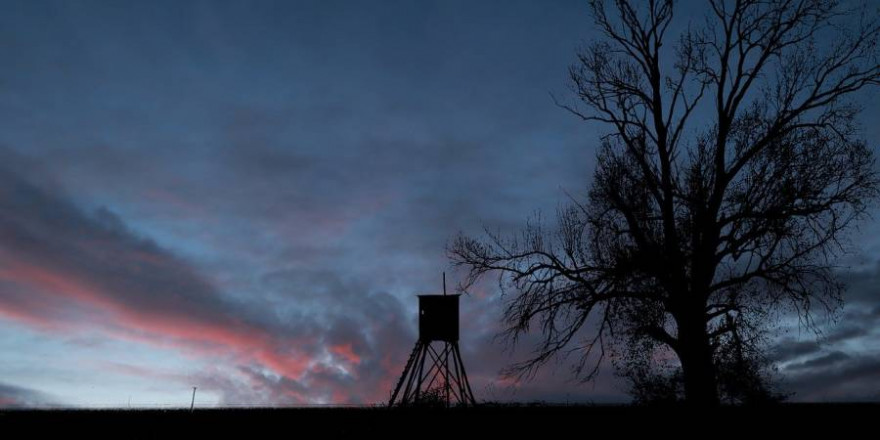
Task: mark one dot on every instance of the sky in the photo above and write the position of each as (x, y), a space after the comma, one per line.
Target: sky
(245, 197)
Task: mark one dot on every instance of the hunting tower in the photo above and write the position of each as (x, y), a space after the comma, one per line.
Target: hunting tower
(434, 373)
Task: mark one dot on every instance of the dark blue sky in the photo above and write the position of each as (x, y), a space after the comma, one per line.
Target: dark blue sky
(246, 196)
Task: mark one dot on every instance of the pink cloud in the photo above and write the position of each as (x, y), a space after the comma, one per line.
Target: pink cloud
(345, 351)
(167, 328)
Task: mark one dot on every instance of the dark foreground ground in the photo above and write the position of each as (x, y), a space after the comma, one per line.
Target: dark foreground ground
(831, 421)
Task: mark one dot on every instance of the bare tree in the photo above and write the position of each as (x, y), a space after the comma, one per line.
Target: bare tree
(730, 172)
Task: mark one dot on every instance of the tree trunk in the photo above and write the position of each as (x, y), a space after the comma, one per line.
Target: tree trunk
(698, 369)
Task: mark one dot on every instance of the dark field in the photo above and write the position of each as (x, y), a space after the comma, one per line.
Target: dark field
(824, 420)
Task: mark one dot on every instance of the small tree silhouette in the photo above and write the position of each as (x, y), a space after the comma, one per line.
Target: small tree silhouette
(432, 398)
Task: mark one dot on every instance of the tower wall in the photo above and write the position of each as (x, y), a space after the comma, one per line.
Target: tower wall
(438, 318)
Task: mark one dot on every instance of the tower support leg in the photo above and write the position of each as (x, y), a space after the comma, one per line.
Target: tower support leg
(427, 367)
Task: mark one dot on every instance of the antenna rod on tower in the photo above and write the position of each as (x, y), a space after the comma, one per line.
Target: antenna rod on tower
(444, 283)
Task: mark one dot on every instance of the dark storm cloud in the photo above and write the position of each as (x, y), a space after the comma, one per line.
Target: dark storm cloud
(821, 361)
(863, 286)
(855, 379)
(12, 396)
(326, 135)
(789, 348)
(840, 363)
(287, 133)
(41, 230)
